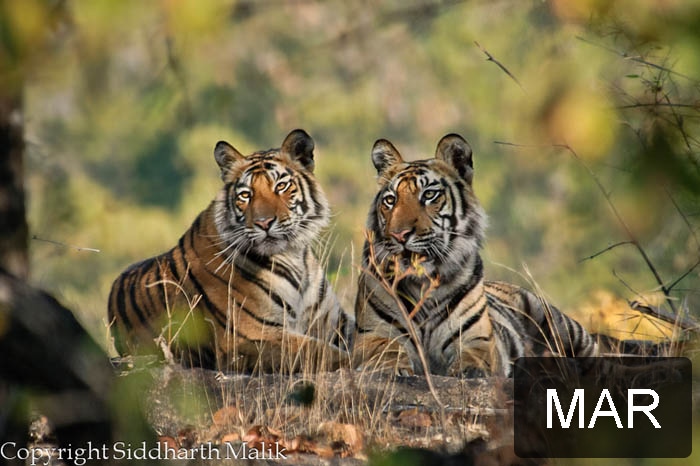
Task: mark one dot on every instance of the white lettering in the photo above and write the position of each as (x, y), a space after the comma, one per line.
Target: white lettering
(605, 394)
(6, 455)
(553, 398)
(119, 451)
(232, 452)
(631, 408)
(22, 454)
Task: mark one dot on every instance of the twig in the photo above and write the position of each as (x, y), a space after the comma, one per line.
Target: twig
(653, 311)
(632, 238)
(679, 122)
(627, 285)
(69, 246)
(391, 409)
(531, 146)
(490, 58)
(603, 251)
(658, 104)
(636, 59)
(684, 217)
(391, 288)
(434, 283)
(628, 232)
(685, 274)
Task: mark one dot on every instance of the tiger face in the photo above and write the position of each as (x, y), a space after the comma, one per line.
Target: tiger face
(270, 201)
(426, 209)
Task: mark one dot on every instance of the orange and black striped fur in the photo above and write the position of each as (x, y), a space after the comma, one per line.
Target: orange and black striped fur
(421, 268)
(242, 289)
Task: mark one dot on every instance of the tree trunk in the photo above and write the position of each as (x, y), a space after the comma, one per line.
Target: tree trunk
(14, 257)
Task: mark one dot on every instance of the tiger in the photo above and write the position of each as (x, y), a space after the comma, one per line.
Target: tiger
(242, 290)
(422, 301)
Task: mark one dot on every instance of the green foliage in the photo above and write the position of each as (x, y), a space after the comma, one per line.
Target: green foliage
(125, 102)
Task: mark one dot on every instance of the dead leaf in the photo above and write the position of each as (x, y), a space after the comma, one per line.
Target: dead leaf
(324, 451)
(168, 442)
(187, 437)
(260, 437)
(413, 418)
(301, 444)
(226, 416)
(231, 437)
(345, 439)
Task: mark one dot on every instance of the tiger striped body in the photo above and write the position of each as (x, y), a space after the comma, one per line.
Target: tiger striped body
(422, 285)
(242, 289)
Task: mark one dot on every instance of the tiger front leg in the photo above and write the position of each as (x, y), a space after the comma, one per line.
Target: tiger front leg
(375, 353)
(477, 359)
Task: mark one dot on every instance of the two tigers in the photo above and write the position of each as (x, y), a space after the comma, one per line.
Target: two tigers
(242, 288)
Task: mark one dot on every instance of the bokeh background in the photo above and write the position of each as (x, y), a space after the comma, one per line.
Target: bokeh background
(583, 117)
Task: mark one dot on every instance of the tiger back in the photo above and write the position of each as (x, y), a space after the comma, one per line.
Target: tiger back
(242, 290)
(422, 298)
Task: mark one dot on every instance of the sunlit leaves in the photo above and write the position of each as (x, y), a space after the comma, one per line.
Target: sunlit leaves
(23, 25)
(583, 119)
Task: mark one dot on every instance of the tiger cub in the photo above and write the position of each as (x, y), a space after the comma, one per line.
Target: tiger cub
(421, 264)
(242, 289)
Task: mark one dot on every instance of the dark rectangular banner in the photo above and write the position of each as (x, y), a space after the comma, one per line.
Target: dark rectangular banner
(628, 407)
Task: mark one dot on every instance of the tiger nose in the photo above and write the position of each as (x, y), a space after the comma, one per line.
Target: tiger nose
(264, 222)
(401, 236)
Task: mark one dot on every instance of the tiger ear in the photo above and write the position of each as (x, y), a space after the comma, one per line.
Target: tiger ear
(384, 156)
(300, 147)
(226, 156)
(455, 150)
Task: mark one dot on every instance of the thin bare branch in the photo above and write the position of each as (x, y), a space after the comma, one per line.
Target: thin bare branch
(627, 285)
(685, 274)
(434, 283)
(695, 106)
(636, 59)
(64, 245)
(628, 232)
(653, 311)
(490, 58)
(684, 217)
(391, 288)
(532, 146)
(632, 238)
(603, 251)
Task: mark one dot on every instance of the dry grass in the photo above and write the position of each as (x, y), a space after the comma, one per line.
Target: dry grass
(339, 413)
(348, 413)
(351, 413)
(612, 315)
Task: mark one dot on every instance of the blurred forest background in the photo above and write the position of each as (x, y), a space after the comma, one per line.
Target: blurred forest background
(584, 117)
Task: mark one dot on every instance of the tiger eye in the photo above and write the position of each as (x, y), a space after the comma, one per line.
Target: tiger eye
(282, 187)
(389, 200)
(431, 194)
